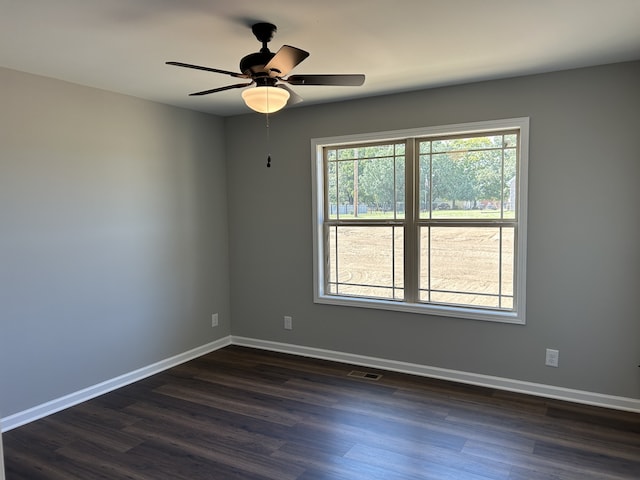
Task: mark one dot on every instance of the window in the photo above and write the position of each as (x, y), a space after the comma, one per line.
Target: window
(427, 220)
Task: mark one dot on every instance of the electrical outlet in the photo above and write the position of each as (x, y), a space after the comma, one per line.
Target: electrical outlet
(552, 358)
(214, 320)
(288, 323)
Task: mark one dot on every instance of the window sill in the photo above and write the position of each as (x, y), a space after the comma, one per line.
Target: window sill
(424, 309)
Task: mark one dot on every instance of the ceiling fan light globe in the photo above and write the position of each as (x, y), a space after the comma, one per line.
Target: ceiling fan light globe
(265, 99)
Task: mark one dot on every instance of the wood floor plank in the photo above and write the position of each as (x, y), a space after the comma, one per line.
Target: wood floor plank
(97, 462)
(222, 398)
(319, 464)
(154, 418)
(588, 459)
(247, 414)
(100, 434)
(583, 436)
(426, 464)
(219, 454)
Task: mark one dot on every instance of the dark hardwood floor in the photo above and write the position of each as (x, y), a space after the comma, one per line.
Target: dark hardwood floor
(240, 413)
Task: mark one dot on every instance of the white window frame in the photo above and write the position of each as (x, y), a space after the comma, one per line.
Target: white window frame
(318, 179)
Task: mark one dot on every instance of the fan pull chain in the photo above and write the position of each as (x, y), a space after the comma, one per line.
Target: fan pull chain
(268, 143)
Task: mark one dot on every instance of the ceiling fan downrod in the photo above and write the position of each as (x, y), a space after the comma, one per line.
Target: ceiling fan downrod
(264, 32)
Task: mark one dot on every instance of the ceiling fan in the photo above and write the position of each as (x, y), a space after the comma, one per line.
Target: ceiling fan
(268, 71)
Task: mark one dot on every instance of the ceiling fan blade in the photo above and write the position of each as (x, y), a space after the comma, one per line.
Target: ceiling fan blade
(221, 89)
(285, 60)
(293, 96)
(354, 80)
(208, 69)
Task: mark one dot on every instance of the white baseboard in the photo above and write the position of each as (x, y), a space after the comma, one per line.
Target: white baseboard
(541, 390)
(538, 389)
(53, 406)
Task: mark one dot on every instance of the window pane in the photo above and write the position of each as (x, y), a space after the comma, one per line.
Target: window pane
(453, 183)
(368, 151)
(511, 185)
(399, 190)
(332, 190)
(332, 269)
(508, 265)
(511, 140)
(465, 144)
(398, 263)
(376, 186)
(489, 185)
(367, 261)
(467, 266)
(345, 189)
(424, 188)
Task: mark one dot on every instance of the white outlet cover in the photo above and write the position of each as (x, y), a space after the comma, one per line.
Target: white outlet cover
(552, 357)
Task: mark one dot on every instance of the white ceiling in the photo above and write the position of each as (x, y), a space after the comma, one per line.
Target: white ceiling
(122, 45)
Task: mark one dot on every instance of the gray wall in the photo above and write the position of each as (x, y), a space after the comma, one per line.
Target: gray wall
(115, 248)
(113, 242)
(583, 249)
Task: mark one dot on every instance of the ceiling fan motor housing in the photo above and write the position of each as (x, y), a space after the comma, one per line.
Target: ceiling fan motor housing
(253, 64)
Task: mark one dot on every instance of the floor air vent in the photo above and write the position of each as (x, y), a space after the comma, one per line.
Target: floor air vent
(365, 375)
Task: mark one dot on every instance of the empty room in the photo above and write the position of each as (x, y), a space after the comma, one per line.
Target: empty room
(338, 240)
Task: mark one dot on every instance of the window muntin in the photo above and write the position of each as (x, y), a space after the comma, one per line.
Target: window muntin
(439, 225)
